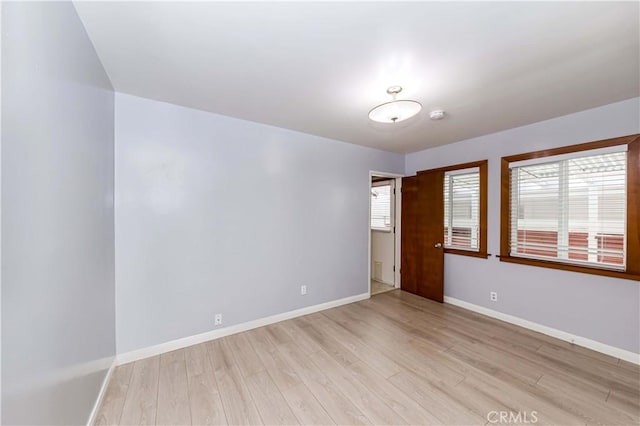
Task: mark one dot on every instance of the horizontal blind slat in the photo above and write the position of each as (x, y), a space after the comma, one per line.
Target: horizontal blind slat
(462, 209)
(571, 209)
(381, 207)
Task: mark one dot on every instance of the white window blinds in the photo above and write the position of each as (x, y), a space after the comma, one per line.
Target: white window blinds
(571, 208)
(381, 207)
(462, 209)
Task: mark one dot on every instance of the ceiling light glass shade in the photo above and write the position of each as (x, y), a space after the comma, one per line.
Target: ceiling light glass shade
(395, 111)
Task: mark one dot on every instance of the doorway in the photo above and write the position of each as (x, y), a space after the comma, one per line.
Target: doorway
(384, 232)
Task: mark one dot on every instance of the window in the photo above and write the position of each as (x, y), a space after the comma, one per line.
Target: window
(570, 208)
(465, 208)
(381, 209)
(462, 209)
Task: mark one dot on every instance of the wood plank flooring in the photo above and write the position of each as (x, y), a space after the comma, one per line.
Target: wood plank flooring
(378, 287)
(393, 359)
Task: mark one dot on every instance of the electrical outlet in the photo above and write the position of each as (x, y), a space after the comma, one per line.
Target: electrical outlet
(217, 319)
(494, 296)
(303, 290)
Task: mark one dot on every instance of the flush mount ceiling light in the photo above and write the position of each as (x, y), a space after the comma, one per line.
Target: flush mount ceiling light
(396, 110)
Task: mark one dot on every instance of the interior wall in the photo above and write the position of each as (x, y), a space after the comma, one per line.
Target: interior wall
(58, 325)
(383, 250)
(599, 308)
(220, 215)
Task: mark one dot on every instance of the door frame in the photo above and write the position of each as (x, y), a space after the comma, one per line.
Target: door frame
(396, 222)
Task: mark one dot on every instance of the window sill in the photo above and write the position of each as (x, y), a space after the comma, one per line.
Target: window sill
(469, 253)
(381, 230)
(567, 267)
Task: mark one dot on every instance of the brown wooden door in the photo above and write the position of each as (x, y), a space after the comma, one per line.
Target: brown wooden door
(422, 265)
(410, 244)
(431, 204)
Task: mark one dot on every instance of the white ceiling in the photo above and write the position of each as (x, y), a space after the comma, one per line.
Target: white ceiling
(320, 67)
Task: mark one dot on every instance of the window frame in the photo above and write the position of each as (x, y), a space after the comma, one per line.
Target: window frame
(391, 184)
(483, 166)
(632, 271)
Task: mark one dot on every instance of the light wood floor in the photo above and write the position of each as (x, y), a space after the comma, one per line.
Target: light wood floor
(393, 359)
(378, 287)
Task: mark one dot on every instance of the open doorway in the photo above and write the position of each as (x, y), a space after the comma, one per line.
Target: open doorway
(384, 234)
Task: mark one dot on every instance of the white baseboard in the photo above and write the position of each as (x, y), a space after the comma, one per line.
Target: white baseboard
(101, 394)
(558, 334)
(238, 328)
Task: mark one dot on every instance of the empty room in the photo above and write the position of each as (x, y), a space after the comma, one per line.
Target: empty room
(315, 213)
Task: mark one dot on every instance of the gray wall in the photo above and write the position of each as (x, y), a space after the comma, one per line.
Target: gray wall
(215, 214)
(600, 308)
(57, 217)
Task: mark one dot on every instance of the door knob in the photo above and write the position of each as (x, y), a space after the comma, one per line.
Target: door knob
(438, 245)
